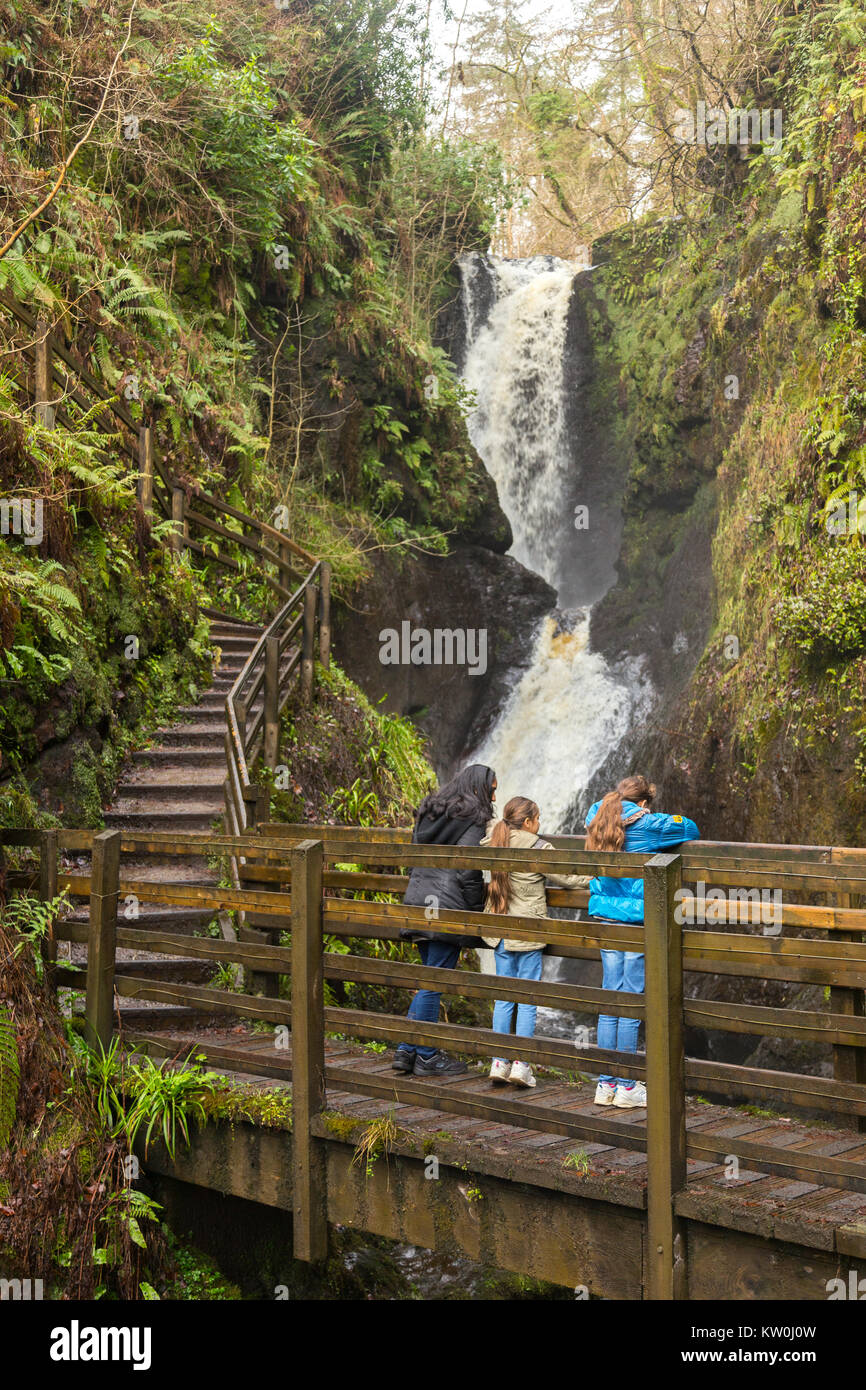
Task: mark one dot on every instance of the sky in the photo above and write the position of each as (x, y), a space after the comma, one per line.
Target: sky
(443, 31)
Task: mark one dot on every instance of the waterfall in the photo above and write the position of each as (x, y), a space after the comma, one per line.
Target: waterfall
(569, 709)
(514, 366)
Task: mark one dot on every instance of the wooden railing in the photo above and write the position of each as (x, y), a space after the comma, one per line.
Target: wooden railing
(202, 525)
(295, 886)
(257, 699)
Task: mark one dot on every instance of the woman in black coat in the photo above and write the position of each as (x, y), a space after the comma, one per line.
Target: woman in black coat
(456, 814)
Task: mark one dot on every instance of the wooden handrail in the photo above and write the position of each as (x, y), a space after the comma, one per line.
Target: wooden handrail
(245, 803)
(267, 678)
(262, 527)
(315, 912)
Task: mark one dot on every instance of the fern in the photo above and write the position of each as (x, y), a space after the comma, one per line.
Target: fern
(156, 241)
(124, 293)
(9, 1075)
(102, 358)
(17, 275)
(48, 604)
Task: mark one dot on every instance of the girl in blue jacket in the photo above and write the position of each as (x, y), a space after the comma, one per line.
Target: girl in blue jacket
(624, 820)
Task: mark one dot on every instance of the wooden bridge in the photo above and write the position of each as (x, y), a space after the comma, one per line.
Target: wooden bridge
(759, 1194)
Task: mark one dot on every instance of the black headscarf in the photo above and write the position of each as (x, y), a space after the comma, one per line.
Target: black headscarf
(467, 797)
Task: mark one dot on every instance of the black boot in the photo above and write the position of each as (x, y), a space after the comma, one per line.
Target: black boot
(404, 1061)
(440, 1064)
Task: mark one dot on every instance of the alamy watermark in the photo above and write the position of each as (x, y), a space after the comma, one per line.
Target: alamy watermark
(758, 906)
(77, 1343)
(16, 1290)
(22, 516)
(443, 646)
(855, 1289)
(847, 517)
(712, 125)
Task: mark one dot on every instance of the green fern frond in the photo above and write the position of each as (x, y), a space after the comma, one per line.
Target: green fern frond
(17, 275)
(102, 356)
(9, 1075)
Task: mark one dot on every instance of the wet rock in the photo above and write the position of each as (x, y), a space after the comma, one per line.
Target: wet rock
(598, 464)
(470, 589)
(450, 330)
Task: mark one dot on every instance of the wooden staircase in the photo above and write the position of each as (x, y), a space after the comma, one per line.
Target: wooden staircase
(178, 784)
(200, 769)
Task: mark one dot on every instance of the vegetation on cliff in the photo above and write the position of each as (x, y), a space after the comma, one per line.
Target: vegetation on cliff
(733, 339)
(248, 249)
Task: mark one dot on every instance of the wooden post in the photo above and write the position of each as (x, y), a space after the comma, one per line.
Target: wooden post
(286, 566)
(309, 1196)
(665, 1083)
(104, 893)
(48, 847)
(272, 702)
(849, 1063)
(43, 392)
(257, 800)
(178, 510)
(145, 468)
(308, 648)
(325, 615)
(257, 926)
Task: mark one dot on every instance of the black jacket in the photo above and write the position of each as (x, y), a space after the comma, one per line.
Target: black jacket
(459, 890)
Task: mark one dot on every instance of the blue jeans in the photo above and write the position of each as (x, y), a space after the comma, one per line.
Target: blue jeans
(620, 970)
(425, 1002)
(519, 965)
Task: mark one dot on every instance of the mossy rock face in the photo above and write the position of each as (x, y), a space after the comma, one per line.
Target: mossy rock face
(65, 1131)
(470, 589)
(737, 381)
(85, 731)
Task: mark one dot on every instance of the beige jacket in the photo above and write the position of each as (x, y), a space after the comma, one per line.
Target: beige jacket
(526, 895)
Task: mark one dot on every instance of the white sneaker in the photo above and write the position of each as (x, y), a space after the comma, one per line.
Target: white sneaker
(500, 1071)
(630, 1097)
(604, 1093)
(521, 1075)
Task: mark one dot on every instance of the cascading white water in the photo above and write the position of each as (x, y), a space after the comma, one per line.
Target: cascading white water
(569, 709)
(561, 720)
(514, 365)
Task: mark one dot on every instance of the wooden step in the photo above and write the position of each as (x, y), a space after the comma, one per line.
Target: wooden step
(183, 921)
(193, 788)
(159, 1016)
(159, 869)
(234, 645)
(216, 616)
(177, 786)
(225, 637)
(140, 1014)
(180, 757)
(201, 714)
(193, 735)
(199, 819)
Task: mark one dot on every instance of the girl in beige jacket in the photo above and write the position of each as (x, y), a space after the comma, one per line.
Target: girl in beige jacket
(519, 895)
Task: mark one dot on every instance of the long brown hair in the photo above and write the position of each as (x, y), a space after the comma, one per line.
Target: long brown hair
(468, 796)
(607, 831)
(518, 810)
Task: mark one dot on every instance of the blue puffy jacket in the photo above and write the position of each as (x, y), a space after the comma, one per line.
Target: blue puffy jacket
(622, 898)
